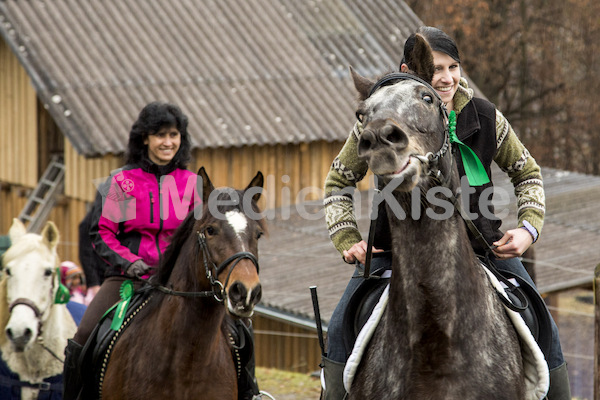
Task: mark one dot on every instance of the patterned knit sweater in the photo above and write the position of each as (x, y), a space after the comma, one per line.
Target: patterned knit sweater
(511, 156)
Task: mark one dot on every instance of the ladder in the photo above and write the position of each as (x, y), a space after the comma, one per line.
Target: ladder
(43, 198)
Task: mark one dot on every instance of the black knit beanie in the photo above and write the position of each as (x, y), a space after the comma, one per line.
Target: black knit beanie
(437, 39)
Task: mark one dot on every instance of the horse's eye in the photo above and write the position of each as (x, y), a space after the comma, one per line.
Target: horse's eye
(48, 272)
(259, 234)
(428, 99)
(210, 230)
(359, 116)
(7, 271)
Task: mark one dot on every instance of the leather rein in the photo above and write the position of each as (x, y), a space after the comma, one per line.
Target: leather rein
(218, 288)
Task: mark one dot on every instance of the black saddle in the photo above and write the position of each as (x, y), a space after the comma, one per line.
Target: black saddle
(536, 314)
(360, 307)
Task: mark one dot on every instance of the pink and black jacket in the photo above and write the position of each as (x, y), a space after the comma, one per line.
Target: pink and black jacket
(142, 206)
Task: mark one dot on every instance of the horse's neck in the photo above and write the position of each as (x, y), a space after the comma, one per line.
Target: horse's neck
(432, 260)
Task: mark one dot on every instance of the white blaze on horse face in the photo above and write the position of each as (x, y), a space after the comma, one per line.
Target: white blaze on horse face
(239, 223)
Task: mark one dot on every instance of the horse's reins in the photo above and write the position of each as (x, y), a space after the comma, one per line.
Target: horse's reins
(218, 288)
(431, 161)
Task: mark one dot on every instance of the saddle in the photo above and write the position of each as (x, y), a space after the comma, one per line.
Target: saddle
(366, 296)
(361, 305)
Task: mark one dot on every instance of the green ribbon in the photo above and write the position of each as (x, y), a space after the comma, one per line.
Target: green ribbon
(62, 293)
(126, 293)
(474, 170)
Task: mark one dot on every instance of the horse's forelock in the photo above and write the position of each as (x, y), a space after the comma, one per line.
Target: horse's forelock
(28, 244)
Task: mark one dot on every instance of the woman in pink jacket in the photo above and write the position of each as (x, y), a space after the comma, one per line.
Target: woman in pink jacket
(143, 203)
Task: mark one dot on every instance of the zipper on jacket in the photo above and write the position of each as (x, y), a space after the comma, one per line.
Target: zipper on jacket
(160, 220)
(151, 208)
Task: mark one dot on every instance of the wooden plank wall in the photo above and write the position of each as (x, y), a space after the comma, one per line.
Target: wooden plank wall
(293, 172)
(18, 122)
(284, 346)
(288, 169)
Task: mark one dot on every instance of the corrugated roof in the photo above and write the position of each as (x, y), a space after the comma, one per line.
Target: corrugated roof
(298, 254)
(249, 72)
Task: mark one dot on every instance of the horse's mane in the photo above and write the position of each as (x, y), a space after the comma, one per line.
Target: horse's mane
(178, 240)
(186, 229)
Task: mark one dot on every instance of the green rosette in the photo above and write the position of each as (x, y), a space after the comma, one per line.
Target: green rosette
(474, 170)
(63, 294)
(126, 293)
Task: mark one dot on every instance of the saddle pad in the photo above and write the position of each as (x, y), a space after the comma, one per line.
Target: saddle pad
(537, 378)
(535, 367)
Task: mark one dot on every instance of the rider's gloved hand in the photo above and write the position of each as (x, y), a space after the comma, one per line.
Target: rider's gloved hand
(137, 269)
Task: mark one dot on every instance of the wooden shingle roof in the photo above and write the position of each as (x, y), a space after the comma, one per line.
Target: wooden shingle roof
(298, 253)
(249, 72)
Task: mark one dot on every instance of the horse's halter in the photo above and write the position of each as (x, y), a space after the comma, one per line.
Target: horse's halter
(429, 160)
(212, 272)
(36, 310)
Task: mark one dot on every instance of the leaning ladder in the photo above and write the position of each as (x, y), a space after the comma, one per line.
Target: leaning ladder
(42, 199)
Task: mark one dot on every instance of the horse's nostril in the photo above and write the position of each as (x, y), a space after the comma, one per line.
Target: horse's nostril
(393, 134)
(365, 142)
(256, 294)
(237, 292)
(28, 334)
(9, 333)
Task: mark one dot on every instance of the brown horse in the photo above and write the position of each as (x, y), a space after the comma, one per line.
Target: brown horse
(444, 333)
(178, 346)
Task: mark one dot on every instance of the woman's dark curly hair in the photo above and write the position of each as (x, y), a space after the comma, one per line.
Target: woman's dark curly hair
(153, 117)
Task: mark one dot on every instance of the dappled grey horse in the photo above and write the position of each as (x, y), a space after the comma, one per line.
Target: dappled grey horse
(444, 333)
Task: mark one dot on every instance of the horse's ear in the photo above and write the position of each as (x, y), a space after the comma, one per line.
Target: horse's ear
(421, 59)
(363, 85)
(258, 182)
(16, 230)
(207, 186)
(50, 234)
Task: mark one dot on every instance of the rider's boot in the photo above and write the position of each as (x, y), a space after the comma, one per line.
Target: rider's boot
(72, 381)
(559, 384)
(332, 382)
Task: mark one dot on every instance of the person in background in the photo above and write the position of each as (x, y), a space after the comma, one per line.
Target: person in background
(488, 133)
(93, 266)
(72, 276)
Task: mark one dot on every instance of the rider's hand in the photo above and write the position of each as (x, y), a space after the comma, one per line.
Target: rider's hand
(137, 269)
(358, 252)
(513, 243)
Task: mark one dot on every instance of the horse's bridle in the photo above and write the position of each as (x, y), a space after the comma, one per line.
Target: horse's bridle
(430, 160)
(218, 288)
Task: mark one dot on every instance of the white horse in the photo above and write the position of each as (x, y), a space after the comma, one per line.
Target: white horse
(35, 328)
